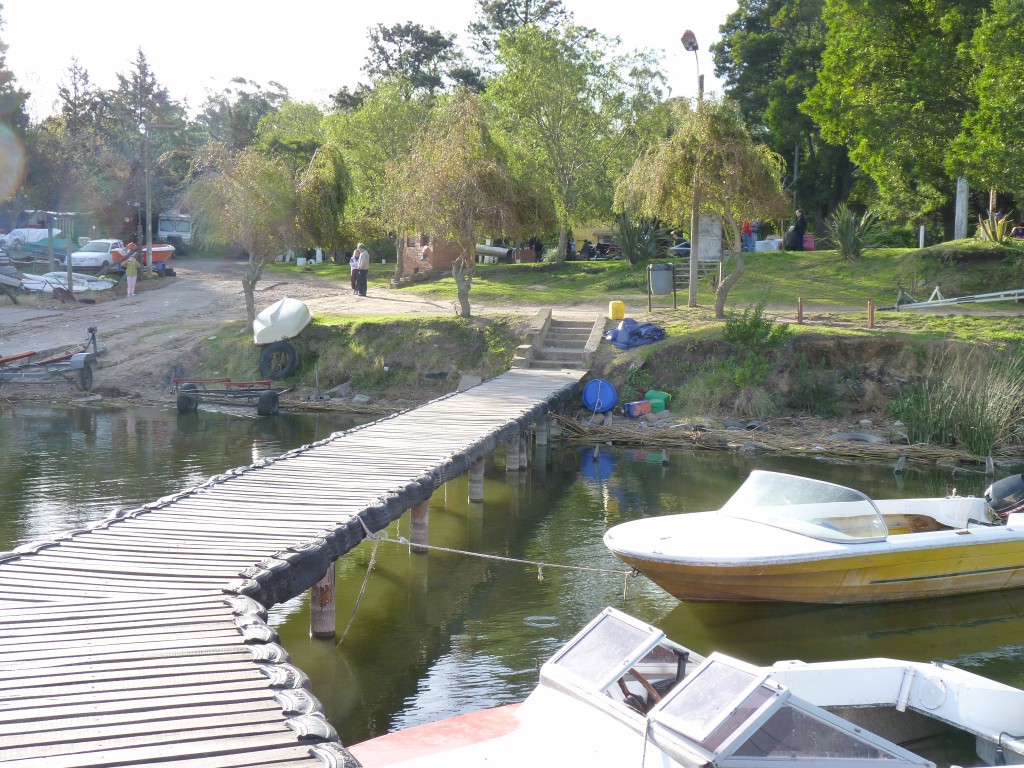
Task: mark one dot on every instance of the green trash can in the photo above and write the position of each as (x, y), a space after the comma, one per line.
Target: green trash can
(659, 279)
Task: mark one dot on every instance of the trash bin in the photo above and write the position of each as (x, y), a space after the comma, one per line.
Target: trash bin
(659, 278)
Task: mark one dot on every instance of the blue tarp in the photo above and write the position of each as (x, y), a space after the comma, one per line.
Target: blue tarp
(629, 333)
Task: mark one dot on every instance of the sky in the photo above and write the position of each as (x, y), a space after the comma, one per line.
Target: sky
(312, 47)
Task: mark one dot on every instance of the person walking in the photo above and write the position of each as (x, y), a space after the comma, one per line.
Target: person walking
(362, 268)
(353, 267)
(131, 272)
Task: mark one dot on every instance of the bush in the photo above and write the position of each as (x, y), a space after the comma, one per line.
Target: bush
(641, 239)
(848, 234)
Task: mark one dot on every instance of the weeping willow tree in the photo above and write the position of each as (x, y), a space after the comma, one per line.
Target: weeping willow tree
(456, 183)
(257, 202)
(710, 149)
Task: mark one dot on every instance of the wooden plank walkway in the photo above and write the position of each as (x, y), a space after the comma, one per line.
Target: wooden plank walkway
(142, 639)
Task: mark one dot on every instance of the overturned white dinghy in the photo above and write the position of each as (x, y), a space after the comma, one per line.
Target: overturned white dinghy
(281, 320)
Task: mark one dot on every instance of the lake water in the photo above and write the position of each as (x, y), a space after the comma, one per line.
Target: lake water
(443, 633)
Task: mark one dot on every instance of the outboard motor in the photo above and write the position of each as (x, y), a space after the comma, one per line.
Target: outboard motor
(1005, 497)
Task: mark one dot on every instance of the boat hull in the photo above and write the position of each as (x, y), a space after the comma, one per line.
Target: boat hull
(702, 557)
(161, 253)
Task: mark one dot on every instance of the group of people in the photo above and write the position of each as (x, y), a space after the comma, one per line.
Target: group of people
(359, 265)
(748, 234)
(793, 240)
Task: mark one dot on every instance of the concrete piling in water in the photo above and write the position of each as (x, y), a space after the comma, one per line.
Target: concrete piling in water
(524, 450)
(322, 605)
(512, 455)
(543, 430)
(418, 517)
(476, 481)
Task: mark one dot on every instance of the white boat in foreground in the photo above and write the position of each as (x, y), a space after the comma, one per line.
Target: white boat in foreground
(795, 539)
(281, 320)
(621, 694)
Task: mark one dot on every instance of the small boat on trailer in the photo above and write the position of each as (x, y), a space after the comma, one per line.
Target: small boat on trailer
(787, 538)
(621, 693)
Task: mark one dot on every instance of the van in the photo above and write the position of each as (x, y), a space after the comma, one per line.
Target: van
(174, 228)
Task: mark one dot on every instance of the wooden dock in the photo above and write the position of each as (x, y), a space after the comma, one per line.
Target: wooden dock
(141, 640)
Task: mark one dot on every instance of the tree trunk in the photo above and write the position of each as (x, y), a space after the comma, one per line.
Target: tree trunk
(563, 241)
(722, 292)
(249, 280)
(462, 271)
(399, 260)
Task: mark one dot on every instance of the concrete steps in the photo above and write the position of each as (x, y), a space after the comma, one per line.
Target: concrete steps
(556, 344)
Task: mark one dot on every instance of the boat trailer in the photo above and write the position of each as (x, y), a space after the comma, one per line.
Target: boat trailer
(21, 368)
(266, 398)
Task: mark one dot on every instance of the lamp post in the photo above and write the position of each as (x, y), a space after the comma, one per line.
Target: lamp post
(149, 214)
(689, 41)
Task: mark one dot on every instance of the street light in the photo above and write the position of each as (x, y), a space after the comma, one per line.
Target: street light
(689, 41)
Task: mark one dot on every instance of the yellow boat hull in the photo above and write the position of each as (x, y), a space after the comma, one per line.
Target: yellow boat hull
(884, 576)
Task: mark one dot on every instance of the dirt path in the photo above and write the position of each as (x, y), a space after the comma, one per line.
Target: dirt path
(170, 317)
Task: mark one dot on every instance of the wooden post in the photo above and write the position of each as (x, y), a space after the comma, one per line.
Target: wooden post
(476, 481)
(418, 517)
(512, 455)
(871, 313)
(321, 605)
(800, 310)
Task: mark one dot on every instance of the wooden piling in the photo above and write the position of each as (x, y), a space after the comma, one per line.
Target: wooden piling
(871, 313)
(322, 605)
(800, 310)
(418, 517)
(476, 481)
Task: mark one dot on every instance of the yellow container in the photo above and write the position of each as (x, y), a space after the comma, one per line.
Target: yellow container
(616, 310)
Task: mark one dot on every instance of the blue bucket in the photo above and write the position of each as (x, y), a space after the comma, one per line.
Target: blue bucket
(599, 396)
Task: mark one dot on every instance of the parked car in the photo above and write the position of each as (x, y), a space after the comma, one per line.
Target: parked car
(98, 254)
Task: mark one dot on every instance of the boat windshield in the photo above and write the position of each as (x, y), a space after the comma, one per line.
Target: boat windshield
(731, 714)
(809, 507)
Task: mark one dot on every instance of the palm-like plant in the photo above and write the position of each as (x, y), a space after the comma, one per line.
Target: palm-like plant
(994, 229)
(641, 239)
(849, 234)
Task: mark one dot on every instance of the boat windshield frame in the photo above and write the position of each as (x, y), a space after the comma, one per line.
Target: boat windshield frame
(739, 702)
(809, 507)
(602, 652)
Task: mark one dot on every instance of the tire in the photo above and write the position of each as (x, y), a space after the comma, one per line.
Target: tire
(84, 378)
(278, 360)
(187, 403)
(269, 403)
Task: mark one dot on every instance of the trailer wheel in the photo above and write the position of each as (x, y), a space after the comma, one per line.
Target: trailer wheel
(278, 360)
(269, 403)
(187, 403)
(84, 378)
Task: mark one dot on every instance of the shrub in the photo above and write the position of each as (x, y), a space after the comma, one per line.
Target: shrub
(753, 332)
(995, 230)
(848, 234)
(641, 239)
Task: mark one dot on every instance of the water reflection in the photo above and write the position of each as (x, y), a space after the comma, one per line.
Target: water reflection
(444, 633)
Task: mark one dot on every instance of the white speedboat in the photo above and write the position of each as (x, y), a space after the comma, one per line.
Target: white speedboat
(621, 694)
(787, 538)
(281, 320)
(45, 283)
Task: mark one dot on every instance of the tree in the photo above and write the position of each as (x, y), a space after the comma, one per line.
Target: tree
(259, 203)
(232, 116)
(293, 132)
(371, 137)
(427, 58)
(768, 57)
(894, 86)
(496, 16)
(456, 182)
(990, 149)
(568, 111)
(712, 147)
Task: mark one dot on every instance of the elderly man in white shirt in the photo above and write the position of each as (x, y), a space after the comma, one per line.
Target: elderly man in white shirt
(362, 268)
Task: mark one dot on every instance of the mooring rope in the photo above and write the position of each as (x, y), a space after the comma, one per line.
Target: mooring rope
(540, 566)
(362, 589)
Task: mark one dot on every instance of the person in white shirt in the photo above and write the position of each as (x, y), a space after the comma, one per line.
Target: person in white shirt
(362, 268)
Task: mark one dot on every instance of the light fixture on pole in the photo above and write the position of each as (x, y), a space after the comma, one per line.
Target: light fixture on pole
(689, 41)
(143, 128)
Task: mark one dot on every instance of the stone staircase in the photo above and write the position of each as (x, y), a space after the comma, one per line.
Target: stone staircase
(555, 344)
